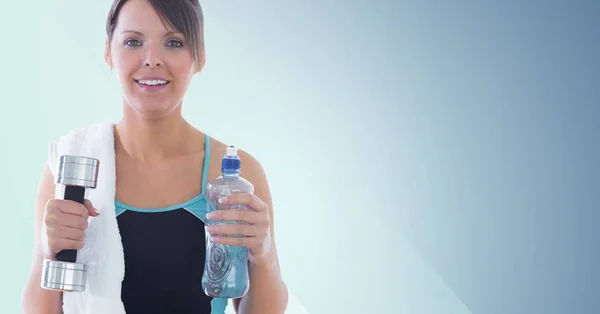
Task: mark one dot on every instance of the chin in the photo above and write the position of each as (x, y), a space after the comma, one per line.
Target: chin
(152, 108)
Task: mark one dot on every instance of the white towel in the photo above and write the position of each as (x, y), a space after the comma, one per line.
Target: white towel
(103, 250)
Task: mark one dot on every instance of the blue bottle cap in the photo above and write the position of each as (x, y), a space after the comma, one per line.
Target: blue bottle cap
(231, 161)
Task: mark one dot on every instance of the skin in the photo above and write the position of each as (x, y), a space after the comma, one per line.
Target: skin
(159, 158)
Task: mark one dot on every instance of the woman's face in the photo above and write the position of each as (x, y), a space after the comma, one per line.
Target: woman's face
(154, 64)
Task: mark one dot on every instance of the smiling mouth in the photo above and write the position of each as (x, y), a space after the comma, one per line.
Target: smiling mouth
(152, 82)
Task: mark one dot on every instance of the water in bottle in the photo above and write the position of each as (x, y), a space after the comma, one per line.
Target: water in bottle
(226, 267)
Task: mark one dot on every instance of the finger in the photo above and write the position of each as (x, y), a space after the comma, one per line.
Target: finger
(247, 199)
(235, 230)
(58, 218)
(243, 215)
(249, 242)
(90, 207)
(59, 244)
(66, 233)
(69, 207)
(72, 221)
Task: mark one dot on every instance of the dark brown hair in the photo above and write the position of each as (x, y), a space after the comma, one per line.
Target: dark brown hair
(184, 16)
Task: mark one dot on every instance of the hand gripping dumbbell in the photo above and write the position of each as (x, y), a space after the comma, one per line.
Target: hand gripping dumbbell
(74, 175)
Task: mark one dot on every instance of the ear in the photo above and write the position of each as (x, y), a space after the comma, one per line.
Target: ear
(200, 66)
(107, 57)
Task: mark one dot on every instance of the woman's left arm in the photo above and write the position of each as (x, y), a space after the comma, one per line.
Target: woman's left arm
(268, 293)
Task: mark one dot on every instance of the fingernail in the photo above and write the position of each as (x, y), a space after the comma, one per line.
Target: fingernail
(223, 199)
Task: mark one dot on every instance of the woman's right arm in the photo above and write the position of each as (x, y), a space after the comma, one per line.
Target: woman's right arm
(35, 299)
(63, 224)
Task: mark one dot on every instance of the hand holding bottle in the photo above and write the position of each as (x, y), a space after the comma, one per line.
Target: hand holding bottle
(254, 231)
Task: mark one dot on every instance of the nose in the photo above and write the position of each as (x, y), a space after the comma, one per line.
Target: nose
(153, 58)
(153, 63)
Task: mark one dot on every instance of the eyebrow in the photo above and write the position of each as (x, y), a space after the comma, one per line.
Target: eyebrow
(141, 34)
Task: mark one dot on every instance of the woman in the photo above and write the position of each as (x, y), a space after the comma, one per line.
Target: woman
(162, 165)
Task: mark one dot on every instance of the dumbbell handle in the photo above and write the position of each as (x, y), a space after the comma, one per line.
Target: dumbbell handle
(77, 194)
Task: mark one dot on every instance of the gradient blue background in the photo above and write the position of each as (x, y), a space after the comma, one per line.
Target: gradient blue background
(451, 146)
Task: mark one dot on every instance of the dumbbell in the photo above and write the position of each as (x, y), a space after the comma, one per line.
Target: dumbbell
(74, 175)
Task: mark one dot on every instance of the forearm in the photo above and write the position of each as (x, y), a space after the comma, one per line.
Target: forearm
(40, 301)
(36, 300)
(268, 293)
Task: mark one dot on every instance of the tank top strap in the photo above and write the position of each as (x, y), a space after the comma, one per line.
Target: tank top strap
(206, 161)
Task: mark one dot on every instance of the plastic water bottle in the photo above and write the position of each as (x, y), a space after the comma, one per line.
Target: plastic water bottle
(226, 266)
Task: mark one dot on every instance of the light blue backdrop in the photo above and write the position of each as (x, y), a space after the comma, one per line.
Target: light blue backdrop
(424, 156)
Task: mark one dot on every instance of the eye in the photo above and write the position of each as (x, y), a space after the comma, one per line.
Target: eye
(133, 43)
(175, 44)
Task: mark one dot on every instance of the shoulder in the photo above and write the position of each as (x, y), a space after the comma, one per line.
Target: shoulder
(251, 166)
(252, 169)
(88, 130)
(81, 134)
(78, 136)
(85, 135)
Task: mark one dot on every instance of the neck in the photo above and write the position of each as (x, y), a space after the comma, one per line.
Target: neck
(152, 139)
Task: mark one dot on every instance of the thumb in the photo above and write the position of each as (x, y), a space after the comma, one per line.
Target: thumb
(91, 209)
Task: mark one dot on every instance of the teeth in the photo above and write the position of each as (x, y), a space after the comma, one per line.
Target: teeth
(152, 82)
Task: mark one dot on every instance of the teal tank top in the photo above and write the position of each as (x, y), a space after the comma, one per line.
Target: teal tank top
(164, 252)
